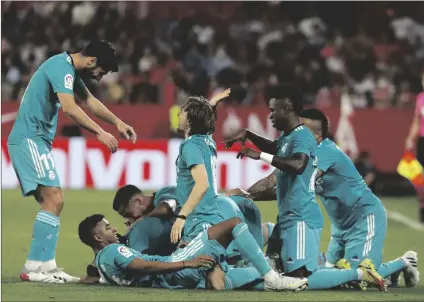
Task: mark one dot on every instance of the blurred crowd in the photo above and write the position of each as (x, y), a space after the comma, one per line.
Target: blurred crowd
(372, 51)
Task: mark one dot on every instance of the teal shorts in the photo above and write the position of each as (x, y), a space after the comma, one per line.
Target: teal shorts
(365, 239)
(223, 208)
(300, 246)
(194, 278)
(34, 165)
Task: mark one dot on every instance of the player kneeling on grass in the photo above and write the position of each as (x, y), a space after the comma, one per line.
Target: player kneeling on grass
(358, 217)
(187, 267)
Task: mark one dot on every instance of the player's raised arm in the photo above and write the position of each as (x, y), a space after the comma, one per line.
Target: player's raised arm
(155, 267)
(101, 111)
(264, 144)
(73, 111)
(218, 98)
(264, 189)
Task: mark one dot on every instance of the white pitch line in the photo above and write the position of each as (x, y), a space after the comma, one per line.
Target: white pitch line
(396, 216)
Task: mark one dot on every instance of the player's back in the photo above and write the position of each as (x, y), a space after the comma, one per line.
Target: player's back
(152, 236)
(38, 111)
(112, 263)
(195, 150)
(296, 199)
(341, 188)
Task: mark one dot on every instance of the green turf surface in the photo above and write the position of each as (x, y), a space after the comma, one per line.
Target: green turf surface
(17, 219)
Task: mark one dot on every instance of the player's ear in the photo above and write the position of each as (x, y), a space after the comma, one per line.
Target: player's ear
(91, 62)
(97, 237)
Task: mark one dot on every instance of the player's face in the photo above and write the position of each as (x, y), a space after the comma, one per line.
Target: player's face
(314, 126)
(104, 232)
(135, 209)
(182, 120)
(279, 112)
(96, 73)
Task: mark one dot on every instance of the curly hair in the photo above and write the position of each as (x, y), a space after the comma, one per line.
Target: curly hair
(317, 115)
(201, 116)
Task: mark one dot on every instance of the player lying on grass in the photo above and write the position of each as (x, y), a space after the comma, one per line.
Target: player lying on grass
(151, 217)
(358, 217)
(186, 267)
(56, 84)
(300, 219)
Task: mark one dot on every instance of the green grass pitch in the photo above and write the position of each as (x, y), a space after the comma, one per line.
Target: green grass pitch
(17, 219)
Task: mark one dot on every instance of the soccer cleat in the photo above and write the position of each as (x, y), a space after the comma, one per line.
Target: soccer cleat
(393, 280)
(284, 283)
(370, 274)
(58, 273)
(343, 264)
(39, 276)
(411, 275)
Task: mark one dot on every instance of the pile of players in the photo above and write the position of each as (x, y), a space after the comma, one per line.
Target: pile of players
(190, 236)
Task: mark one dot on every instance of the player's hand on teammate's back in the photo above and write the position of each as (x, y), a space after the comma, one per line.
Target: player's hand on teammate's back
(127, 132)
(201, 261)
(108, 140)
(177, 229)
(241, 137)
(237, 192)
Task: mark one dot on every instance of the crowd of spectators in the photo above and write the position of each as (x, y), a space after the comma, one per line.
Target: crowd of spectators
(373, 51)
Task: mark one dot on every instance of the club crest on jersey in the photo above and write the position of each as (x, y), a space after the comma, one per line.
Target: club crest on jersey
(69, 81)
(125, 252)
(52, 175)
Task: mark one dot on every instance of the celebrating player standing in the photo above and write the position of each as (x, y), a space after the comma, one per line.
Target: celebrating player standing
(52, 87)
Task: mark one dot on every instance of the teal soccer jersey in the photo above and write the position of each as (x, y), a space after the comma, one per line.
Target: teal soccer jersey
(341, 188)
(151, 236)
(37, 115)
(30, 141)
(167, 194)
(295, 195)
(197, 150)
(112, 263)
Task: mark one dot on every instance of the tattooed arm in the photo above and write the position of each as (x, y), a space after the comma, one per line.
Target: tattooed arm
(264, 189)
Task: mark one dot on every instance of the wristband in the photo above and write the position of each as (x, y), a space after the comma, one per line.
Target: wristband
(182, 217)
(266, 157)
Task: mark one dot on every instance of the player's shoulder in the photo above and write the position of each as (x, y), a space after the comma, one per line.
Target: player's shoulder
(166, 190)
(62, 60)
(199, 141)
(302, 133)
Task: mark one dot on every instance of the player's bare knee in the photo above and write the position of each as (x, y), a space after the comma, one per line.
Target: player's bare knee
(235, 221)
(50, 199)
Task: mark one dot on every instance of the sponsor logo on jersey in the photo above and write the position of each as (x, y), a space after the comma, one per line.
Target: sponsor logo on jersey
(69, 81)
(125, 252)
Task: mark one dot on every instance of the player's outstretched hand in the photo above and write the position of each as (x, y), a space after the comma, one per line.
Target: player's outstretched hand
(201, 261)
(108, 140)
(127, 132)
(241, 137)
(177, 230)
(238, 192)
(250, 153)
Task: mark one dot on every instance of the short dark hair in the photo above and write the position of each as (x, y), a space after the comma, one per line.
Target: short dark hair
(123, 196)
(86, 227)
(317, 115)
(105, 53)
(292, 93)
(201, 116)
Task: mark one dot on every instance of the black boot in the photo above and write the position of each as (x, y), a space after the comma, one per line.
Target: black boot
(422, 215)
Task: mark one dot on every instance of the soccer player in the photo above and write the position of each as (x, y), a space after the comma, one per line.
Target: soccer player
(157, 212)
(300, 221)
(120, 265)
(358, 217)
(56, 84)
